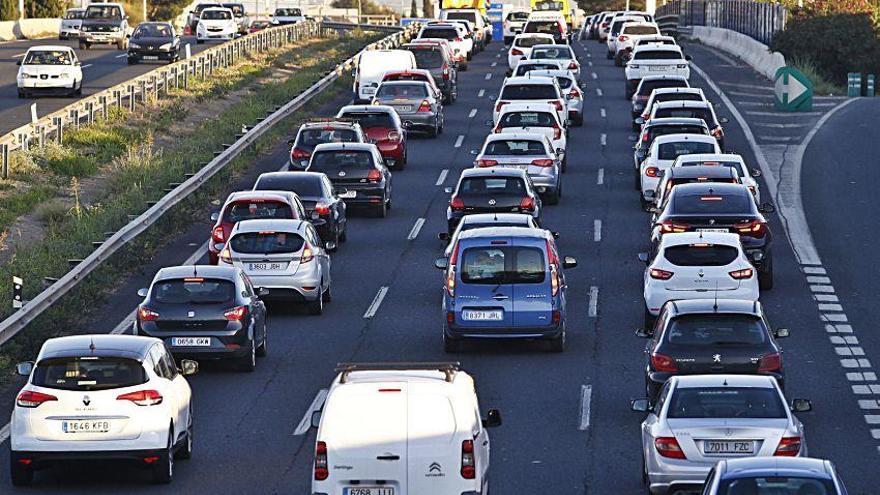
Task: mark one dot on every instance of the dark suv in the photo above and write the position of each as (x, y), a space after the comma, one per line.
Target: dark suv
(435, 59)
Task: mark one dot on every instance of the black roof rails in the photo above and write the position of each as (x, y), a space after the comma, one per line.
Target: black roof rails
(448, 368)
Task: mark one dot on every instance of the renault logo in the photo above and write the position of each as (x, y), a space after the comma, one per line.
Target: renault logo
(711, 221)
(491, 202)
(86, 400)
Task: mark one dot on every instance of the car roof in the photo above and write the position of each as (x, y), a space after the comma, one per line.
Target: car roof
(268, 224)
(661, 91)
(661, 77)
(405, 83)
(421, 72)
(503, 231)
(367, 109)
(519, 107)
(258, 194)
(708, 171)
(303, 174)
(533, 35)
(669, 138)
(723, 380)
(528, 80)
(105, 345)
(509, 136)
(497, 217)
(776, 466)
(329, 123)
(221, 8)
(552, 45)
(186, 271)
(662, 48)
(699, 306)
(676, 121)
(553, 73)
(492, 172)
(682, 104)
(715, 187)
(535, 61)
(687, 238)
(344, 146)
(699, 157)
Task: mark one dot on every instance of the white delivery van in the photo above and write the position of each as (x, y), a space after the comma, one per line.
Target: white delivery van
(402, 429)
(371, 68)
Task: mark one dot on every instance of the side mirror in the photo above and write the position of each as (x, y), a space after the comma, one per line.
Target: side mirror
(688, 58)
(639, 121)
(640, 405)
(316, 419)
(801, 405)
(767, 208)
(24, 369)
(441, 263)
(339, 190)
(643, 333)
(781, 333)
(644, 258)
(652, 209)
(443, 236)
(475, 152)
(188, 367)
(142, 292)
(262, 292)
(560, 151)
(492, 419)
(18, 63)
(447, 190)
(554, 234)
(756, 173)
(215, 216)
(569, 262)
(77, 63)
(723, 120)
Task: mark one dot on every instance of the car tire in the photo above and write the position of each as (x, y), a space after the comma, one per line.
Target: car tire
(163, 470)
(463, 67)
(335, 242)
(609, 55)
(638, 180)
(132, 60)
(557, 344)
(200, 42)
(649, 320)
(328, 295)
(22, 94)
(382, 210)
(79, 89)
(248, 362)
(20, 475)
(552, 198)
(578, 119)
(316, 307)
(83, 46)
(263, 348)
(564, 166)
(343, 236)
(765, 275)
(451, 345)
(186, 451)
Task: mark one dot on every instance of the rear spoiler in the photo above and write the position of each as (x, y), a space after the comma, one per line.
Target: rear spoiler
(448, 368)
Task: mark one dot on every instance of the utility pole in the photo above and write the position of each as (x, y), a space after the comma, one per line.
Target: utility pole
(359, 12)
(145, 10)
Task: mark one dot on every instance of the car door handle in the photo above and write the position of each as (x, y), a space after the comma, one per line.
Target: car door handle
(500, 297)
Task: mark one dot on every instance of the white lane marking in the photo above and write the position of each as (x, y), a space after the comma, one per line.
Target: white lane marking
(473, 112)
(830, 307)
(776, 114)
(459, 140)
(751, 95)
(600, 177)
(781, 126)
(768, 89)
(590, 63)
(603, 139)
(4, 433)
(855, 363)
(594, 302)
(306, 422)
(822, 288)
(594, 75)
(488, 76)
(872, 419)
(779, 139)
(826, 298)
(86, 66)
(598, 91)
(597, 230)
(120, 56)
(497, 55)
(586, 399)
(481, 93)
(494, 64)
(834, 317)
(415, 230)
(21, 55)
(818, 280)
(813, 270)
(377, 301)
(603, 113)
(442, 178)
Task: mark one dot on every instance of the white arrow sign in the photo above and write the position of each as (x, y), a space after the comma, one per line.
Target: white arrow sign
(793, 88)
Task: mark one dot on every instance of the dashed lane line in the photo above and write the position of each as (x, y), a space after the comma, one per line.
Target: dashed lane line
(86, 66)
(417, 227)
(481, 93)
(377, 301)
(594, 75)
(442, 178)
(120, 56)
(306, 422)
(603, 113)
(494, 64)
(473, 112)
(586, 402)
(459, 140)
(593, 306)
(598, 91)
(597, 230)
(600, 177)
(603, 139)
(488, 76)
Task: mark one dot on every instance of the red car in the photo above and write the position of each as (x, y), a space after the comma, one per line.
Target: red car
(382, 126)
(247, 205)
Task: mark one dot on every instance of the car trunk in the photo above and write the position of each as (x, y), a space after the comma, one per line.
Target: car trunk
(433, 454)
(701, 279)
(491, 203)
(94, 415)
(190, 316)
(716, 359)
(710, 440)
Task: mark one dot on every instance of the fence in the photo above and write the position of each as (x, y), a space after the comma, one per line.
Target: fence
(758, 20)
(44, 300)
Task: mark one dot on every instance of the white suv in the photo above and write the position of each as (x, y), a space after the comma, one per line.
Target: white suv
(101, 397)
(623, 45)
(421, 433)
(655, 60)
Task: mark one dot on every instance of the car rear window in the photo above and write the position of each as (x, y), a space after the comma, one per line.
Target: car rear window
(267, 242)
(662, 130)
(711, 203)
(502, 265)
(372, 119)
(716, 163)
(248, 210)
(88, 373)
(678, 97)
(640, 30)
(465, 16)
(527, 119)
(529, 92)
(529, 41)
(493, 185)
(303, 185)
(314, 137)
(523, 69)
(726, 402)
(74, 14)
(686, 113)
(519, 147)
(776, 485)
(701, 255)
(708, 330)
(449, 33)
(564, 82)
(341, 160)
(402, 91)
(427, 58)
(544, 27)
(656, 55)
(517, 16)
(673, 150)
(646, 87)
(556, 53)
(195, 290)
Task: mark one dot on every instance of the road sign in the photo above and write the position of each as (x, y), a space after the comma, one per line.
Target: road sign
(794, 91)
(496, 18)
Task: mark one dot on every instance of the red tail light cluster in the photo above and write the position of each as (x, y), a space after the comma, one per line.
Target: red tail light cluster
(237, 313)
(307, 254)
(771, 363)
(425, 106)
(486, 163)
(557, 104)
(143, 397)
(652, 172)
(32, 399)
(374, 176)
(788, 447)
(573, 66)
(322, 471)
(659, 274)
(663, 363)
(574, 93)
(514, 51)
(218, 235)
(147, 314)
(445, 70)
(622, 38)
(456, 204)
(753, 228)
(322, 209)
(557, 131)
(299, 153)
(468, 461)
(668, 447)
(527, 204)
(672, 228)
(745, 273)
(499, 105)
(543, 162)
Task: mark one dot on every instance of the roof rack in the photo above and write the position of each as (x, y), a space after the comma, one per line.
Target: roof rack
(448, 368)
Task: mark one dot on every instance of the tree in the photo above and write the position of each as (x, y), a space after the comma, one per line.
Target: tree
(8, 10)
(413, 9)
(428, 8)
(368, 7)
(44, 9)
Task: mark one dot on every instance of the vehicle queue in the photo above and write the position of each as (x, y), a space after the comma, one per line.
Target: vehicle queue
(709, 424)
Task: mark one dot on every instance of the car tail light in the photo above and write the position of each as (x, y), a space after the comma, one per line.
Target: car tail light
(527, 203)
(604, 24)
(468, 464)
(663, 363)
(652, 172)
(456, 203)
(556, 316)
(225, 255)
(393, 136)
(236, 314)
(486, 163)
(322, 471)
(622, 38)
(450, 281)
(557, 104)
(218, 235)
(788, 447)
(32, 399)
(514, 51)
(299, 153)
(743, 274)
(147, 314)
(499, 105)
(143, 397)
(542, 162)
(672, 228)
(574, 93)
(572, 66)
(557, 131)
(425, 106)
(498, 128)
(718, 132)
(645, 137)
(668, 447)
(322, 209)
(770, 363)
(458, 39)
(445, 68)
(660, 274)
(450, 317)
(751, 228)
(374, 176)
(307, 254)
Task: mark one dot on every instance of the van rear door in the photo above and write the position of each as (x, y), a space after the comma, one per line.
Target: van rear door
(434, 455)
(483, 296)
(532, 290)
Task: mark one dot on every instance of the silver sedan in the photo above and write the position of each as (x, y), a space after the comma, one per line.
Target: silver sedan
(531, 152)
(699, 420)
(419, 106)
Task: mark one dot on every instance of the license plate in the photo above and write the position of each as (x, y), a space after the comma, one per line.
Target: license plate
(404, 108)
(348, 194)
(191, 341)
(658, 68)
(86, 426)
(369, 91)
(150, 57)
(728, 447)
(368, 490)
(515, 165)
(712, 230)
(471, 315)
(257, 267)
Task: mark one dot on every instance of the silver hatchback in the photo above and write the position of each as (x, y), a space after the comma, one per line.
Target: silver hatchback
(419, 106)
(285, 257)
(531, 152)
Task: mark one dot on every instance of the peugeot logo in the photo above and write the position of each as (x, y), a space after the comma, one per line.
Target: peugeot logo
(86, 400)
(711, 221)
(435, 468)
(491, 202)
(716, 358)
(342, 173)
(191, 314)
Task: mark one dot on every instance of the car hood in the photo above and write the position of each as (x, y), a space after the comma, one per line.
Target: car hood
(216, 22)
(51, 70)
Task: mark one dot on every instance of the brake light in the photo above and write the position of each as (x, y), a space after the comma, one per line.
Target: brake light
(752, 228)
(445, 70)
(374, 176)
(557, 104)
(527, 204)
(468, 464)
(456, 204)
(645, 137)
(574, 93)
(236, 314)
(660, 274)
(147, 314)
(770, 363)
(514, 51)
(307, 254)
(322, 471)
(458, 39)
(425, 106)
(498, 128)
(322, 209)
(663, 363)
(557, 131)
(485, 163)
(32, 399)
(652, 172)
(499, 105)
(572, 66)
(718, 132)
(143, 397)
(743, 274)
(225, 255)
(788, 447)
(622, 38)
(543, 162)
(217, 235)
(672, 228)
(393, 136)
(450, 280)
(668, 447)
(299, 153)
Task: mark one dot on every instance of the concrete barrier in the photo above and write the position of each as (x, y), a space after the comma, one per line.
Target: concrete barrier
(28, 28)
(754, 53)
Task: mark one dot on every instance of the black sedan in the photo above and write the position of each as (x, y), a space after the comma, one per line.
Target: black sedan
(492, 190)
(358, 172)
(319, 198)
(705, 336)
(205, 312)
(154, 41)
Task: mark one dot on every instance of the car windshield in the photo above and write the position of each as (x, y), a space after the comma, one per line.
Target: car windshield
(216, 15)
(701, 255)
(529, 92)
(524, 68)
(656, 55)
(316, 136)
(530, 41)
(726, 402)
(709, 203)
(302, 184)
(236, 8)
(508, 265)
(249, 210)
(465, 16)
(776, 485)
(518, 147)
(74, 14)
(288, 12)
(640, 30)
(402, 91)
(368, 120)
(527, 119)
(546, 27)
(195, 290)
(517, 16)
(48, 57)
(428, 58)
(675, 149)
(707, 330)
(267, 242)
(109, 12)
(88, 373)
(646, 87)
(446, 33)
(152, 31)
(341, 160)
(555, 53)
(493, 185)
(717, 163)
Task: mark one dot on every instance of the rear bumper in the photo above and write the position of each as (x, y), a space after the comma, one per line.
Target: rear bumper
(365, 196)
(505, 333)
(289, 287)
(420, 120)
(160, 55)
(42, 459)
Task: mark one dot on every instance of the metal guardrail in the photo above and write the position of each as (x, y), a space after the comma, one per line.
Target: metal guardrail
(758, 20)
(15, 323)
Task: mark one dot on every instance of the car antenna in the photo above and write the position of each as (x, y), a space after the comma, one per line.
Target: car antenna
(92, 344)
(715, 304)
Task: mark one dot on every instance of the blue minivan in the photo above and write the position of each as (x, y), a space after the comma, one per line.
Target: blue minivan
(504, 283)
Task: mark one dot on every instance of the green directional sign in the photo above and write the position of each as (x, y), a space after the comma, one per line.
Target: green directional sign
(793, 90)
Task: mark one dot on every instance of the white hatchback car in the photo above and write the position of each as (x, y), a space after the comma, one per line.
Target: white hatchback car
(747, 176)
(49, 70)
(534, 118)
(697, 265)
(216, 23)
(663, 153)
(96, 397)
(529, 89)
(421, 434)
(655, 60)
(561, 53)
(522, 46)
(574, 92)
(626, 40)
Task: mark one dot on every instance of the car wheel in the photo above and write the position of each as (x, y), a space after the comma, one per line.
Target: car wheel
(316, 307)
(557, 344)
(132, 60)
(328, 295)
(463, 67)
(187, 450)
(248, 362)
(22, 94)
(163, 470)
(79, 89)
(578, 120)
(765, 275)
(263, 349)
(335, 242)
(382, 210)
(451, 345)
(343, 236)
(609, 55)
(553, 197)
(649, 319)
(638, 180)
(564, 164)
(19, 474)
